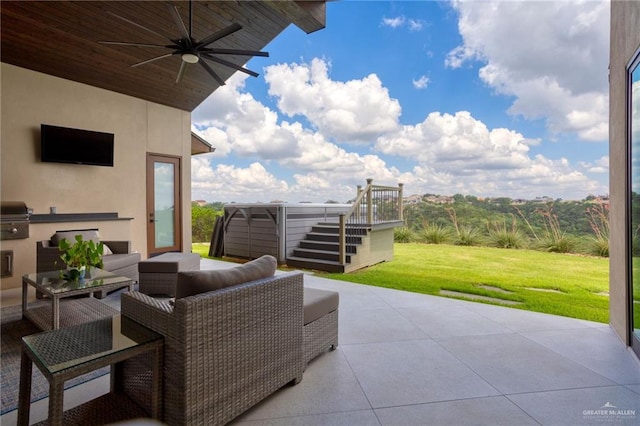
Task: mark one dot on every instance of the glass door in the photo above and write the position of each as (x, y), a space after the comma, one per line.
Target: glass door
(164, 220)
(634, 213)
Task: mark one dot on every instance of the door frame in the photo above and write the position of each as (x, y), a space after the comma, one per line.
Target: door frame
(153, 158)
(634, 338)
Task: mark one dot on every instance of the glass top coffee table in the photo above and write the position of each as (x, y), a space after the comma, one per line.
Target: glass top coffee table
(70, 352)
(53, 313)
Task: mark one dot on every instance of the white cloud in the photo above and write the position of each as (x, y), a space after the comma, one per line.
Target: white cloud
(233, 120)
(393, 22)
(308, 157)
(415, 24)
(230, 183)
(599, 166)
(422, 82)
(351, 111)
(551, 56)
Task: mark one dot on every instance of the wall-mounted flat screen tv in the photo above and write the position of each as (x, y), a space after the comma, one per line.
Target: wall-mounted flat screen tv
(76, 146)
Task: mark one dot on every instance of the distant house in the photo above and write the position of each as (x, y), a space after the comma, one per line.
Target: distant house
(200, 202)
(439, 199)
(543, 200)
(412, 199)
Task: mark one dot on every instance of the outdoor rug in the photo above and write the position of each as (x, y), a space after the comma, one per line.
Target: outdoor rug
(13, 327)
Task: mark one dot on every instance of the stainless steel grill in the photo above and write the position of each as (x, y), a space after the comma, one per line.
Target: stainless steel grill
(14, 220)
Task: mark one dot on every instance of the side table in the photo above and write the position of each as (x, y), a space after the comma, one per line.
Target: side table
(73, 351)
(51, 316)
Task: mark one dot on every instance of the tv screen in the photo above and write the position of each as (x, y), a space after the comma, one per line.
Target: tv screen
(65, 145)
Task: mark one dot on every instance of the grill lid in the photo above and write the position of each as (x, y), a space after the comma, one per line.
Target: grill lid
(12, 210)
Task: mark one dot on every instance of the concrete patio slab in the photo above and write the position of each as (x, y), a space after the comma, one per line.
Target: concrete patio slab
(376, 325)
(593, 349)
(522, 321)
(412, 372)
(328, 386)
(451, 321)
(492, 411)
(349, 418)
(513, 364)
(593, 406)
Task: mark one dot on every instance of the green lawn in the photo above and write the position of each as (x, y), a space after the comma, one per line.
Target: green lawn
(428, 269)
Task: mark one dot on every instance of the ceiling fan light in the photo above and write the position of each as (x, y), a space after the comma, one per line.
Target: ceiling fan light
(190, 58)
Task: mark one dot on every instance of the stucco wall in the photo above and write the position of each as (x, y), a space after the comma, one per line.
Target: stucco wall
(30, 99)
(625, 40)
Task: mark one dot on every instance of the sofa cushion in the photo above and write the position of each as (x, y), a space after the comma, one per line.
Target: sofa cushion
(119, 261)
(190, 283)
(318, 303)
(170, 263)
(106, 250)
(87, 234)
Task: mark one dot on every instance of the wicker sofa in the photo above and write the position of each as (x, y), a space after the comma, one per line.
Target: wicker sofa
(121, 261)
(228, 348)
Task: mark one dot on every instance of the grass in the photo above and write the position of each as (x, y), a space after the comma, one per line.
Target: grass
(424, 268)
(421, 268)
(201, 248)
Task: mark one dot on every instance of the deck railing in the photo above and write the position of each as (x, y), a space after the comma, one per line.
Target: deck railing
(374, 204)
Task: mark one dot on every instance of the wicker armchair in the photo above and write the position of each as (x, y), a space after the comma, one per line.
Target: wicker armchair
(225, 350)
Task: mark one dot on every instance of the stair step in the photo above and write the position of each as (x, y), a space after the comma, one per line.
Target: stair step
(330, 228)
(326, 245)
(319, 254)
(333, 238)
(319, 265)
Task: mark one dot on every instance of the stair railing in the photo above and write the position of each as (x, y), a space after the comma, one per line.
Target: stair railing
(373, 205)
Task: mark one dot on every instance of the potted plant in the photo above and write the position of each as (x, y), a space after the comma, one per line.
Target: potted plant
(79, 256)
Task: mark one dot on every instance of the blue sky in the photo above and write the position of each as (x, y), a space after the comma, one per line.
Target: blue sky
(504, 98)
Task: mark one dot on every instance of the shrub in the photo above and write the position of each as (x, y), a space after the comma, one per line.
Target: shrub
(598, 247)
(468, 236)
(402, 235)
(502, 236)
(557, 243)
(434, 234)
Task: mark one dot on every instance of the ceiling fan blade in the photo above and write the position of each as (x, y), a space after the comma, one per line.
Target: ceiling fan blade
(218, 35)
(212, 72)
(183, 68)
(126, 43)
(136, 24)
(235, 52)
(229, 64)
(175, 13)
(152, 59)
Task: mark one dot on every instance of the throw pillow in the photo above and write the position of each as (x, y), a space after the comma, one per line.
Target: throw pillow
(106, 250)
(190, 283)
(87, 234)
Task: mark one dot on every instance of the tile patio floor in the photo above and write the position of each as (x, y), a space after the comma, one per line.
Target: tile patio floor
(411, 359)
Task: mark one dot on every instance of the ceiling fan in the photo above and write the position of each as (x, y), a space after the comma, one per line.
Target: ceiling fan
(190, 50)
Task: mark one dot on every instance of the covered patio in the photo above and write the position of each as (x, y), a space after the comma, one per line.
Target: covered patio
(409, 359)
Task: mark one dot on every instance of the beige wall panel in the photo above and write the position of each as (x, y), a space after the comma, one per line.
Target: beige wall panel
(165, 135)
(30, 99)
(625, 40)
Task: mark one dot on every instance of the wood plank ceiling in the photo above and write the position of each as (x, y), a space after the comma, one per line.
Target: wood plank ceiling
(61, 38)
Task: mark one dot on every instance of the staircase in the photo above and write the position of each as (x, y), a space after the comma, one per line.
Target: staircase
(320, 250)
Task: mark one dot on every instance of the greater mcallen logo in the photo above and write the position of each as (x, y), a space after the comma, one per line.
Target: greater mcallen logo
(610, 412)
